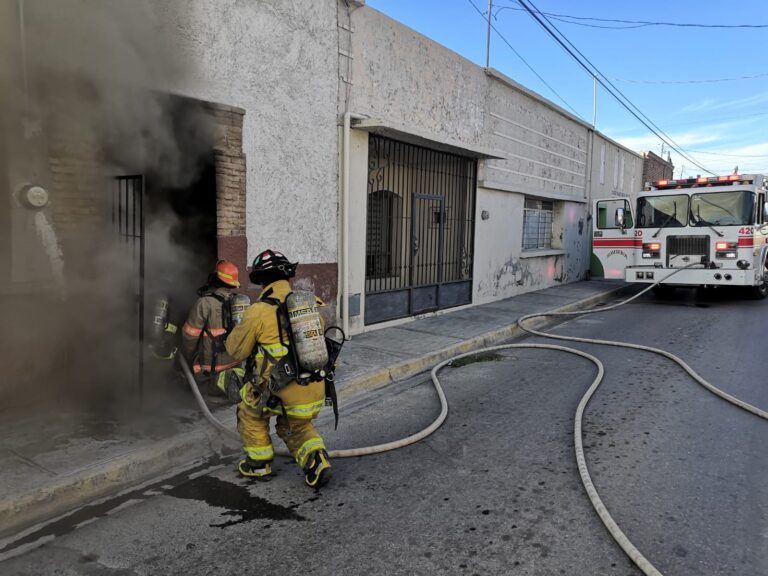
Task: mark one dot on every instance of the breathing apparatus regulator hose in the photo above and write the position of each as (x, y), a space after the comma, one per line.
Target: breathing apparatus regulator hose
(616, 533)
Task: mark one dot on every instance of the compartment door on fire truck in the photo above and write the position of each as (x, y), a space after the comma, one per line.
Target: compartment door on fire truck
(613, 238)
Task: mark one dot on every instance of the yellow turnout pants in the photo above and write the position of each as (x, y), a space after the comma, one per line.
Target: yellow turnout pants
(302, 405)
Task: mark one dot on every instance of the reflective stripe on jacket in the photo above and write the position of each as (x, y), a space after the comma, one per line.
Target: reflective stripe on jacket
(196, 345)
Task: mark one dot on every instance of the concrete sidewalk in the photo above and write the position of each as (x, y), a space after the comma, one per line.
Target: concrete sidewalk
(51, 467)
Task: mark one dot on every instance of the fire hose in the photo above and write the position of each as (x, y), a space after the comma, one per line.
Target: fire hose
(615, 531)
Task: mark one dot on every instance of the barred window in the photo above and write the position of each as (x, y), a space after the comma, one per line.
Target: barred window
(537, 224)
(384, 215)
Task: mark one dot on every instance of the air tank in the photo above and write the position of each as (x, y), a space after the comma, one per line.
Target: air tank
(160, 317)
(307, 330)
(238, 305)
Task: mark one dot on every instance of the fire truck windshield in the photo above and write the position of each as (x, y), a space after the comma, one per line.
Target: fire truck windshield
(668, 211)
(722, 208)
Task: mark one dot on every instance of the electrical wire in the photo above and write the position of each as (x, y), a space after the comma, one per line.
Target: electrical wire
(636, 23)
(711, 81)
(730, 155)
(607, 84)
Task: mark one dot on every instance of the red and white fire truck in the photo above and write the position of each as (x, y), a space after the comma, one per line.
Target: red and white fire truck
(714, 227)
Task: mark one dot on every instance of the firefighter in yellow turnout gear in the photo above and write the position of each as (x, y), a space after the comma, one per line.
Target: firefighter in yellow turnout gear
(295, 405)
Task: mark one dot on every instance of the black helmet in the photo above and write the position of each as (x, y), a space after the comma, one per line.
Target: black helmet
(270, 266)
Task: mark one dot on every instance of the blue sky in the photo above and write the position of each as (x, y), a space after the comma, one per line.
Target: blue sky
(706, 89)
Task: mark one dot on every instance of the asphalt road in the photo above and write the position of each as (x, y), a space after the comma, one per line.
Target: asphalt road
(496, 489)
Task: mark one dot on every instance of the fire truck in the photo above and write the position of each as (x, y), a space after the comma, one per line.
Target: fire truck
(703, 231)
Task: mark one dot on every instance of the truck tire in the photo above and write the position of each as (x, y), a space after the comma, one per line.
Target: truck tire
(760, 291)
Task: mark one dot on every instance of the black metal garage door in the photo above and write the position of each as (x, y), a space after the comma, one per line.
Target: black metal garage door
(420, 230)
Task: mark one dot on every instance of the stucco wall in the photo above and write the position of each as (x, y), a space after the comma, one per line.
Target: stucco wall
(358, 181)
(407, 79)
(616, 171)
(277, 61)
(544, 151)
(502, 269)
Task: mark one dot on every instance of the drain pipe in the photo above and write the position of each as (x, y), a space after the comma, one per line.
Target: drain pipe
(23, 50)
(348, 117)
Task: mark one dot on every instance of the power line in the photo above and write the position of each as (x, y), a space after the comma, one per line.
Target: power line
(607, 84)
(482, 15)
(636, 23)
(762, 75)
(715, 121)
(730, 155)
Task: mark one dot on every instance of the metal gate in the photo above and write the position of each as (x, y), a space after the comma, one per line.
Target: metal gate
(420, 230)
(128, 227)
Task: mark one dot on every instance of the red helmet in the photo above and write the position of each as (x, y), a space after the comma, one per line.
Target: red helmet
(227, 272)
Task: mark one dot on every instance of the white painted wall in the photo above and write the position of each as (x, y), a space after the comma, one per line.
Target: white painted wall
(609, 156)
(278, 61)
(544, 149)
(406, 81)
(358, 184)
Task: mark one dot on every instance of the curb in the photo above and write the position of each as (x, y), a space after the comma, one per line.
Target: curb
(409, 368)
(105, 478)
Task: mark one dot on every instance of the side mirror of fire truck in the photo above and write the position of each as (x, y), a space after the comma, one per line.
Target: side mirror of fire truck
(765, 212)
(619, 219)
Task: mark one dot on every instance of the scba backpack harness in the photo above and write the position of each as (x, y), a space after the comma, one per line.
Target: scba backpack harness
(233, 308)
(311, 353)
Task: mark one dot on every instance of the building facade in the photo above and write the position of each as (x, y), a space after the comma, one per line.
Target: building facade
(464, 186)
(657, 168)
(405, 179)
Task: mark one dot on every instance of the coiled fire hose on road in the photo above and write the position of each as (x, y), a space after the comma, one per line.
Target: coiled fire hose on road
(616, 533)
(348, 453)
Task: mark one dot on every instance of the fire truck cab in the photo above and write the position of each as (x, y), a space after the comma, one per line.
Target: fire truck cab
(714, 227)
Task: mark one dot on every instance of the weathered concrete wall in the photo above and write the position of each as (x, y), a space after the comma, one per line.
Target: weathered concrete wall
(277, 61)
(358, 182)
(545, 154)
(409, 80)
(616, 171)
(544, 150)
(503, 269)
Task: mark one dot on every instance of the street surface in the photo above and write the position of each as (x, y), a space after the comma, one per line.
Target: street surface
(496, 489)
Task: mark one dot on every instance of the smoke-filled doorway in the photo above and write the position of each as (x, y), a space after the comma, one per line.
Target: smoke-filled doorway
(165, 236)
(185, 217)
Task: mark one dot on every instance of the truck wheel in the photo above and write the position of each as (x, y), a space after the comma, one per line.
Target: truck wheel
(761, 290)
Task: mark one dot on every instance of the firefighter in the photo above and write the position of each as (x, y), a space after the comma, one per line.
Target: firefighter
(260, 336)
(204, 332)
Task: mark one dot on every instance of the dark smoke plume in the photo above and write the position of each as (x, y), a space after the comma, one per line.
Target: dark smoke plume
(81, 89)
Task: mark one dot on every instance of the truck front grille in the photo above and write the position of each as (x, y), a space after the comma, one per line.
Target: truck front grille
(688, 246)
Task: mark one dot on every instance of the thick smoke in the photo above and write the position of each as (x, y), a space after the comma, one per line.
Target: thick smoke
(82, 103)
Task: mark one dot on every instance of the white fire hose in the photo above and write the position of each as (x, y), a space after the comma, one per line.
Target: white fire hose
(634, 554)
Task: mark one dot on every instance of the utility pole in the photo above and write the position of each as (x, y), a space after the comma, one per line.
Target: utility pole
(488, 36)
(594, 101)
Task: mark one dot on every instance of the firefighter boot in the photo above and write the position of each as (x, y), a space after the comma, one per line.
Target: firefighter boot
(318, 469)
(261, 471)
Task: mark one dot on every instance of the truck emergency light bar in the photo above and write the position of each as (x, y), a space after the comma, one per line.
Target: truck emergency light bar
(700, 181)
